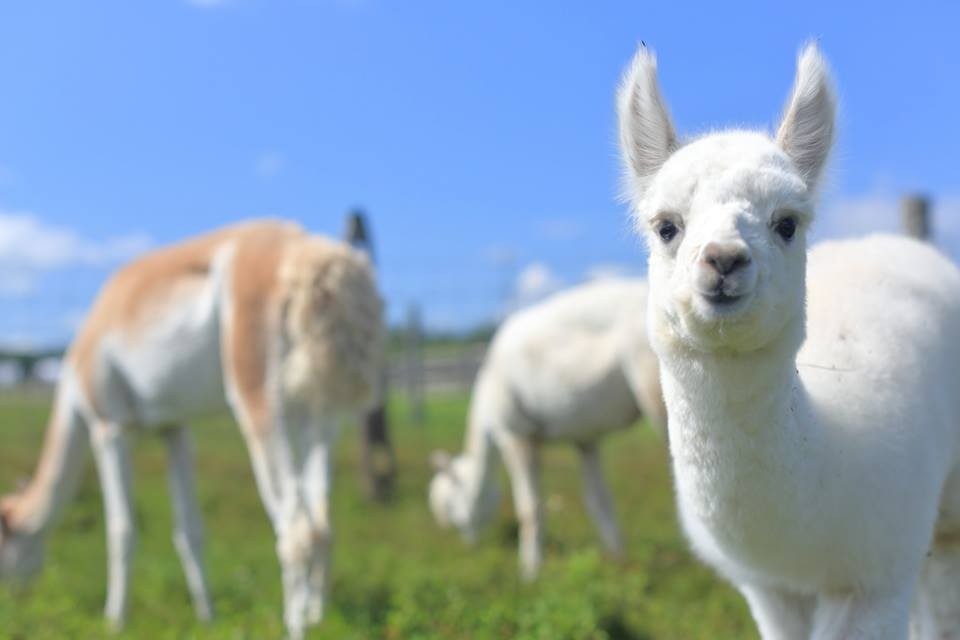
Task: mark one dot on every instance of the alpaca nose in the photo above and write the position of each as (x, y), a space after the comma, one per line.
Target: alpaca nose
(725, 257)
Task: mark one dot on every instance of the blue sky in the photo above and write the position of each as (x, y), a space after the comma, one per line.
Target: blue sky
(478, 136)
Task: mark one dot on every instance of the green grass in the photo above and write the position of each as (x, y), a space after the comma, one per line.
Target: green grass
(396, 575)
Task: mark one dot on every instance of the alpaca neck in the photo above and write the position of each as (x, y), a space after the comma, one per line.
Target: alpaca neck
(56, 476)
(480, 478)
(741, 429)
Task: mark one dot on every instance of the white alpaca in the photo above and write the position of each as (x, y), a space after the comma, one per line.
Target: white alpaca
(814, 407)
(283, 327)
(573, 368)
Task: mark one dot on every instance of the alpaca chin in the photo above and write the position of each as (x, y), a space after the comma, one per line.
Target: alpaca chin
(685, 324)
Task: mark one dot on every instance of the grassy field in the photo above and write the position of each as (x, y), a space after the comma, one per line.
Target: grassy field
(396, 575)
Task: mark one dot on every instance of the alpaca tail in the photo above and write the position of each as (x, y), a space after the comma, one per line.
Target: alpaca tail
(333, 324)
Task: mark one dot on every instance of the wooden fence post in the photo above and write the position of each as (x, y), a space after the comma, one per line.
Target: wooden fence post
(915, 216)
(415, 365)
(378, 462)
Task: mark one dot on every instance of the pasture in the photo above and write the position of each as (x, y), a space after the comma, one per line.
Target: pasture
(395, 574)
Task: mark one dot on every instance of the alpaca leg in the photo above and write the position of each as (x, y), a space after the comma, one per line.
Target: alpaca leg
(274, 466)
(522, 461)
(274, 459)
(113, 466)
(188, 530)
(862, 616)
(258, 405)
(295, 551)
(780, 615)
(598, 501)
(937, 610)
(316, 482)
(264, 473)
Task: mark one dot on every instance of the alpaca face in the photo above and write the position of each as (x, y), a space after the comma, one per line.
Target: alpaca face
(21, 555)
(725, 216)
(450, 493)
(442, 497)
(725, 220)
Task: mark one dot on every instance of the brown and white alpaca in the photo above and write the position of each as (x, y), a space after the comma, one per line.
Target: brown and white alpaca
(283, 328)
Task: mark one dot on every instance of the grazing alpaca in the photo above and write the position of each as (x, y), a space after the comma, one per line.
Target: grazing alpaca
(571, 369)
(814, 410)
(282, 327)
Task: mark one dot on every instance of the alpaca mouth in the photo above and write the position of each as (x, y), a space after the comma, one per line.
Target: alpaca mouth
(720, 305)
(721, 299)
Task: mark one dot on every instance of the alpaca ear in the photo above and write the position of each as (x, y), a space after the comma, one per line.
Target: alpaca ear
(807, 130)
(440, 460)
(647, 137)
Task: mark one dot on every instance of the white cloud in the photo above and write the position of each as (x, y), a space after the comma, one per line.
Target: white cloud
(853, 216)
(560, 228)
(500, 256)
(73, 318)
(29, 246)
(880, 212)
(270, 164)
(15, 283)
(18, 340)
(535, 282)
(609, 270)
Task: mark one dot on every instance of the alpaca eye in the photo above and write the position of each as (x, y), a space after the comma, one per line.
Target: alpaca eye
(786, 227)
(667, 231)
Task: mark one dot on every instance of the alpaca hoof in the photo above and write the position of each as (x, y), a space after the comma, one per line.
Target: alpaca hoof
(529, 573)
(205, 614)
(115, 625)
(295, 632)
(617, 553)
(315, 612)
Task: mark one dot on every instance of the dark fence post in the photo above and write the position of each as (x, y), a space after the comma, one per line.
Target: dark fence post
(27, 365)
(416, 376)
(915, 212)
(378, 463)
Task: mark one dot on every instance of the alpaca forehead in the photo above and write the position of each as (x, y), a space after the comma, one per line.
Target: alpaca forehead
(442, 484)
(461, 466)
(748, 190)
(734, 167)
(453, 475)
(713, 152)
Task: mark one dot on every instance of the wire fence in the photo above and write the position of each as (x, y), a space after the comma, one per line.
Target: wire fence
(418, 364)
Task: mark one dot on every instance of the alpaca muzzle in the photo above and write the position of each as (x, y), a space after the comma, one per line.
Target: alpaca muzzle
(724, 275)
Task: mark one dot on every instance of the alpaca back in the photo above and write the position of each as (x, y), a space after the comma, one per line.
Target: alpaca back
(883, 333)
(879, 362)
(561, 361)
